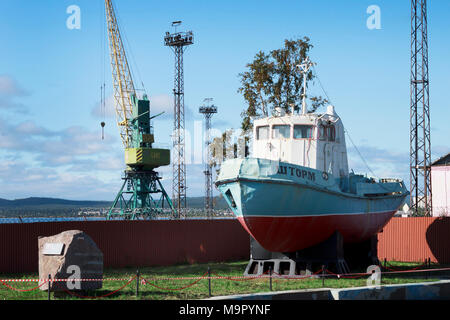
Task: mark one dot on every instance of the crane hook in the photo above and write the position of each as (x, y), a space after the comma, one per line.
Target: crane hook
(103, 126)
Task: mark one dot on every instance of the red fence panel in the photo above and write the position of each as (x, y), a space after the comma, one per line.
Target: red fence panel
(151, 243)
(416, 239)
(131, 243)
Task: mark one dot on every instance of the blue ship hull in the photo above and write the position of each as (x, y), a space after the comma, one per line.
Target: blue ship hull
(287, 207)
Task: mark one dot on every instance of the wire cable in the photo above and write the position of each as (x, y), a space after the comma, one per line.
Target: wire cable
(129, 51)
(345, 130)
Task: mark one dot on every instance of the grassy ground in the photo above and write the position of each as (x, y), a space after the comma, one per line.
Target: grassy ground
(200, 289)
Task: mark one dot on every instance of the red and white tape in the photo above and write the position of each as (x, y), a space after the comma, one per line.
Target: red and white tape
(218, 277)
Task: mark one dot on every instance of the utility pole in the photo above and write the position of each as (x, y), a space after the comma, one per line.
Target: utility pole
(420, 142)
(178, 41)
(208, 110)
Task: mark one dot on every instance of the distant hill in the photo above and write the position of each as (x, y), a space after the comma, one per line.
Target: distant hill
(36, 201)
(192, 202)
(199, 202)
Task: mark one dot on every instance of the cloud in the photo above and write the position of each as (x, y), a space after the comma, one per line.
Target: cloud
(74, 162)
(158, 103)
(114, 163)
(108, 112)
(164, 103)
(9, 91)
(221, 123)
(8, 104)
(382, 163)
(23, 180)
(9, 87)
(439, 151)
(71, 163)
(55, 148)
(195, 179)
(30, 128)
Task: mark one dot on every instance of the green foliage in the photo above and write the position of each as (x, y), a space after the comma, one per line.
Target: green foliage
(221, 148)
(418, 212)
(273, 80)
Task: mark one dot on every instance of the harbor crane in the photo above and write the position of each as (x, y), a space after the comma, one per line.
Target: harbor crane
(142, 195)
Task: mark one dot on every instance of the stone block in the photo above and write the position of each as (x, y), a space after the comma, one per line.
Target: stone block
(70, 255)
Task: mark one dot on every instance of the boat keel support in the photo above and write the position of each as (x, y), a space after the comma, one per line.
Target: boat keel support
(329, 253)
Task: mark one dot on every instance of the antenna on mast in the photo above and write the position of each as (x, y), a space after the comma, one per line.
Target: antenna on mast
(175, 24)
(304, 67)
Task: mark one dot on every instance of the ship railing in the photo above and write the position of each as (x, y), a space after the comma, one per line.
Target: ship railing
(390, 180)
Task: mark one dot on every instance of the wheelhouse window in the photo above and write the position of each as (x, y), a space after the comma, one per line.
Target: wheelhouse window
(331, 133)
(281, 131)
(327, 132)
(322, 132)
(303, 131)
(262, 133)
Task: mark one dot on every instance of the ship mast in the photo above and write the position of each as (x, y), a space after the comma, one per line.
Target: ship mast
(304, 67)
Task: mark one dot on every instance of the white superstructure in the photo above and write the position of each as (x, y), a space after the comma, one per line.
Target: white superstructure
(312, 140)
(307, 139)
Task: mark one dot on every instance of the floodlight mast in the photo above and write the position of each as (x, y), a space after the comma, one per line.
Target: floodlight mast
(208, 110)
(178, 41)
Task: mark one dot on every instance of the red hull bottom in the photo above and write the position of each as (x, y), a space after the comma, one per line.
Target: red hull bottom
(289, 234)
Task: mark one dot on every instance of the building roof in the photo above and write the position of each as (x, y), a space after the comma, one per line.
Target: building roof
(442, 161)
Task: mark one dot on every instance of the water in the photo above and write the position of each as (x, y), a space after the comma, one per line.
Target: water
(50, 219)
(64, 219)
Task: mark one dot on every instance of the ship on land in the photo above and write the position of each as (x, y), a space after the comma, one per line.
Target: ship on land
(296, 191)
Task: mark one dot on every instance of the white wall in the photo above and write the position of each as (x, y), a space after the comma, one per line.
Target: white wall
(440, 187)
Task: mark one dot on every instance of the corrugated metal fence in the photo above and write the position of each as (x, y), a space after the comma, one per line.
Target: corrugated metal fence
(131, 243)
(416, 239)
(149, 243)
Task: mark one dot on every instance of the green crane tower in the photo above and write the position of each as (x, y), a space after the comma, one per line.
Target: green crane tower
(142, 195)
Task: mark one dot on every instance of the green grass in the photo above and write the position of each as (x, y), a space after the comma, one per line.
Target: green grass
(200, 289)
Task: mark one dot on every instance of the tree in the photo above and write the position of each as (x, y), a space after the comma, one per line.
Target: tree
(221, 149)
(257, 83)
(273, 80)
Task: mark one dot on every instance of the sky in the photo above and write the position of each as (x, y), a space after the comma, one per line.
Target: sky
(51, 74)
